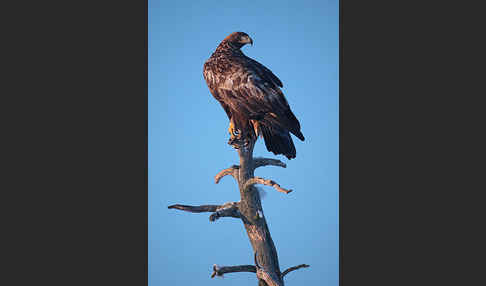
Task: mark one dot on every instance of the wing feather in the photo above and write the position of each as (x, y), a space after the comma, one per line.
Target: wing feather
(248, 87)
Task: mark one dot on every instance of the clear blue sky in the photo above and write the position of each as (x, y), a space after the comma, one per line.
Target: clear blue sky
(298, 41)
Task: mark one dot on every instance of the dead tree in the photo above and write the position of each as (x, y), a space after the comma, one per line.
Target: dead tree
(249, 210)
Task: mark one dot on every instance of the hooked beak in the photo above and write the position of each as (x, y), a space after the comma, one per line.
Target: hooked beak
(248, 40)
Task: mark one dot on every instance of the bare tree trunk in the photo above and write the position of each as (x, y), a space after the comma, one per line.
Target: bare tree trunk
(250, 211)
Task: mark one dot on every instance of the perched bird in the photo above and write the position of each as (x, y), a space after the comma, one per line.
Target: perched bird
(251, 96)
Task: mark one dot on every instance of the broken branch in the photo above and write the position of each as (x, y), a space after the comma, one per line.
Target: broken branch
(294, 268)
(233, 171)
(220, 270)
(260, 162)
(226, 210)
(262, 181)
(195, 209)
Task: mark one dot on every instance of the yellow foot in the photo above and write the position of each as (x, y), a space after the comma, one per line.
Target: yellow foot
(236, 137)
(234, 133)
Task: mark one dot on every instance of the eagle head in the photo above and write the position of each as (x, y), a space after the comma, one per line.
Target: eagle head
(239, 39)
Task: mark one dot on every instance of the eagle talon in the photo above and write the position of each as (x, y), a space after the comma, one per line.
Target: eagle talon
(233, 142)
(238, 142)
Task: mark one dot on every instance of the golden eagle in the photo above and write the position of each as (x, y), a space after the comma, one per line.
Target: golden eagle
(251, 96)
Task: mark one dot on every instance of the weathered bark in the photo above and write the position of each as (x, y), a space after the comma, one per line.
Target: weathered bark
(249, 209)
(255, 222)
(226, 210)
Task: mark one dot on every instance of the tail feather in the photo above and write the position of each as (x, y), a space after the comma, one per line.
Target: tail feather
(286, 121)
(294, 124)
(278, 141)
(299, 135)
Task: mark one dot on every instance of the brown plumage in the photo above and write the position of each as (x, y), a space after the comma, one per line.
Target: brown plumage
(251, 97)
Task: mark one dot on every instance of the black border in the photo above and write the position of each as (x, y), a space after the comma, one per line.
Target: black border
(409, 123)
(77, 196)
